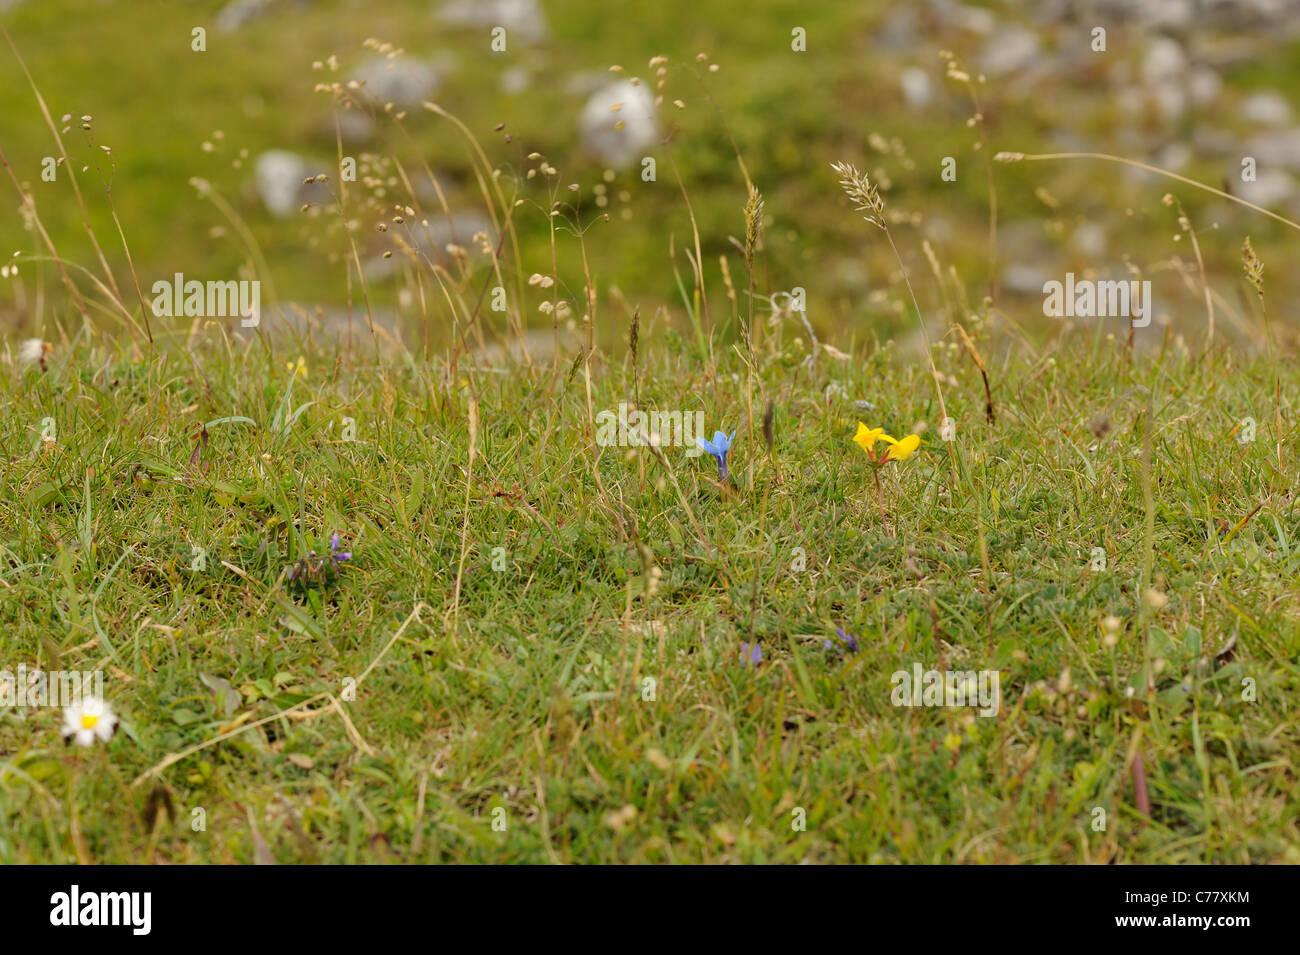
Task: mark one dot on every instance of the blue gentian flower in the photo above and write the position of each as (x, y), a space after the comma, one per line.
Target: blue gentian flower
(336, 555)
(718, 447)
(750, 654)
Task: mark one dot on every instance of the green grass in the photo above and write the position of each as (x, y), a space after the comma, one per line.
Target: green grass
(537, 630)
(522, 689)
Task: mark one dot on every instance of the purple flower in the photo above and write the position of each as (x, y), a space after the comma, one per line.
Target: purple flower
(336, 555)
(849, 640)
(750, 654)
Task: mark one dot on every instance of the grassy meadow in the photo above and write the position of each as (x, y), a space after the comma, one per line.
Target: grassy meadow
(377, 591)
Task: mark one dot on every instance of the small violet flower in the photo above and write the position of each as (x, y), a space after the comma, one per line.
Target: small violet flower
(750, 654)
(336, 555)
(849, 640)
(718, 447)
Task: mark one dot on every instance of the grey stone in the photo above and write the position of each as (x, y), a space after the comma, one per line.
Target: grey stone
(516, 80)
(598, 124)
(401, 81)
(1271, 187)
(237, 13)
(1090, 239)
(1170, 99)
(1174, 157)
(1278, 148)
(280, 174)
(963, 17)
(1164, 61)
(522, 19)
(917, 87)
(355, 126)
(1154, 14)
(1009, 51)
(1266, 108)
(1025, 279)
(1204, 85)
(899, 31)
(290, 322)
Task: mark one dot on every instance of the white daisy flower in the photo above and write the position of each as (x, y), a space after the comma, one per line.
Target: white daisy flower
(33, 352)
(88, 720)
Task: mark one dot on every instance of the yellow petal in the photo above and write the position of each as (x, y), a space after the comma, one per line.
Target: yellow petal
(902, 450)
(866, 437)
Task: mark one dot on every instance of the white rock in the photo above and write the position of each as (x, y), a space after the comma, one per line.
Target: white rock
(279, 180)
(619, 147)
(1157, 14)
(1025, 279)
(975, 19)
(404, 82)
(522, 19)
(899, 30)
(1278, 148)
(1153, 14)
(1267, 108)
(1270, 188)
(515, 80)
(1164, 61)
(1204, 85)
(354, 126)
(279, 175)
(1008, 51)
(1090, 239)
(1174, 157)
(1171, 99)
(236, 13)
(1129, 99)
(918, 89)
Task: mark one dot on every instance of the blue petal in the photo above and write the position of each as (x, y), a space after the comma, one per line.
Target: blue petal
(705, 446)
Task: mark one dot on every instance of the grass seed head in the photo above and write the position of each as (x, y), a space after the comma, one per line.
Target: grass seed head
(862, 191)
(1254, 267)
(753, 224)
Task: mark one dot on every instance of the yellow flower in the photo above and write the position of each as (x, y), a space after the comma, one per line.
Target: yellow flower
(866, 437)
(901, 450)
(299, 368)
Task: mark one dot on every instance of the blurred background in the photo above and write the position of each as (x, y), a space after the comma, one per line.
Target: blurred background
(204, 152)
